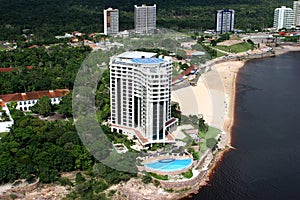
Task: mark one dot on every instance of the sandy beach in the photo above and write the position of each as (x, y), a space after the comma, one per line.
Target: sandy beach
(213, 97)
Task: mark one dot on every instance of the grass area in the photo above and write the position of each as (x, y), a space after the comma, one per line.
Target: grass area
(209, 139)
(2, 47)
(236, 48)
(3, 135)
(188, 174)
(28, 113)
(212, 132)
(160, 177)
(220, 54)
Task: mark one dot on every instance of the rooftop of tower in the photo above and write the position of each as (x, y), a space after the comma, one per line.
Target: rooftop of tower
(147, 60)
(137, 54)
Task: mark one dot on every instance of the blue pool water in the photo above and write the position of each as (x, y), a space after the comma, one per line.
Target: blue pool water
(169, 165)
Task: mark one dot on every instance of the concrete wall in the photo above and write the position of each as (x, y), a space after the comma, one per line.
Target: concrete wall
(181, 185)
(4, 126)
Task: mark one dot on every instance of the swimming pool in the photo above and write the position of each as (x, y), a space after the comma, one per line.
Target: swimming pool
(169, 165)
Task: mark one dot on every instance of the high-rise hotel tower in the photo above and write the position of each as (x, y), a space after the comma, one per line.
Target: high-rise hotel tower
(140, 94)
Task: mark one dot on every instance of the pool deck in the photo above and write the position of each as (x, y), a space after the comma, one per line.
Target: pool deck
(171, 156)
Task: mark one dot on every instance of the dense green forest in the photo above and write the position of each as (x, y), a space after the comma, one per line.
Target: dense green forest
(54, 67)
(52, 17)
(36, 148)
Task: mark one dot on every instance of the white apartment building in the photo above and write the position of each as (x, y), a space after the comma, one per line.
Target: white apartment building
(140, 94)
(111, 21)
(296, 9)
(144, 19)
(283, 18)
(224, 21)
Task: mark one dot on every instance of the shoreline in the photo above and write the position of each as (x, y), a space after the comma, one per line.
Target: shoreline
(228, 129)
(207, 92)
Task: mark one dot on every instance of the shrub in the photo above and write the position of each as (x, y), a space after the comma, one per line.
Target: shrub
(156, 183)
(160, 177)
(79, 178)
(146, 179)
(188, 174)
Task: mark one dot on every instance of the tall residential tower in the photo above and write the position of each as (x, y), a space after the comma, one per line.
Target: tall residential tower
(283, 18)
(224, 21)
(145, 18)
(296, 9)
(111, 21)
(140, 89)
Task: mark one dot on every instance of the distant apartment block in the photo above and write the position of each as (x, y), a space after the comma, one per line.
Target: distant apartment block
(224, 21)
(283, 18)
(140, 89)
(296, 9)
(145, 18)
(111, 21)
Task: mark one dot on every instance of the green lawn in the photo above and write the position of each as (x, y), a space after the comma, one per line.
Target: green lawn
(236, 48)
(2, 47)
(220, 54)
(212, 132)
(209, 139)
(3, 134)
(28, 113)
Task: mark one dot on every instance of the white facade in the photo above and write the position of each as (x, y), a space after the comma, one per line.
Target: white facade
(145, 18)
(26, 105)
(283, 18)
(4, 126)
(111, 21)
(140, 88)
(296, 9)
(224, 21)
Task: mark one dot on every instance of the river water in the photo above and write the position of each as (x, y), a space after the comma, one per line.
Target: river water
(266, 135)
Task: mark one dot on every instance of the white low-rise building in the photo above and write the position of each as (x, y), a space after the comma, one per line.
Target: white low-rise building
(5, 125)
(26, 100)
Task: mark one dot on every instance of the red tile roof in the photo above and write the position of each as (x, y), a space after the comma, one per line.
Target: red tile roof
(33, 46)
(34, 95)
(2, 103)
(10, 69)
(6, 69)
(171, 121)
(141, 138)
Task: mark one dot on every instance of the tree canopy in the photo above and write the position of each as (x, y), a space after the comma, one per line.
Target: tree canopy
(47, 18)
